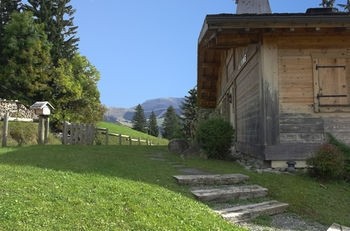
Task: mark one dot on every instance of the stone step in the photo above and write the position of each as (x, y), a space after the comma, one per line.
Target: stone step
(225, 179)
(336, 227)
(226, 193)
(248, 212)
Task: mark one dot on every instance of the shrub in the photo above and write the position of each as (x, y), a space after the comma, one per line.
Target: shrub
(215, 136)
(328, 163)
(23, 133)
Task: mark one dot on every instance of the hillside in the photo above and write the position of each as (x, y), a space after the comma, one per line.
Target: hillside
(158, 106)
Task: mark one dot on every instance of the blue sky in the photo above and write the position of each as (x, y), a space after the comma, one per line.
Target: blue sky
(148, 49)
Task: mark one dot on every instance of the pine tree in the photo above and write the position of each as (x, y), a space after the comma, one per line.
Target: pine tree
(58, 18)
(139, 120)
(153, 128)
(346, 7)
(189, 113)
(327, 3)
(171, 124)
(27, 53)
(7, 7)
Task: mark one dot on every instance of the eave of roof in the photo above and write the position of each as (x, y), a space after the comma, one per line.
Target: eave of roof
(273, 21)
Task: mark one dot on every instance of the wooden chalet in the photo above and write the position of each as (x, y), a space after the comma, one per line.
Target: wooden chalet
(282, 80)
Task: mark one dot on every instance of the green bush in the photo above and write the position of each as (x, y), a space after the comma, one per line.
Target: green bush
(328, 163)
(346, 150)
(215, 136)
(23, 133)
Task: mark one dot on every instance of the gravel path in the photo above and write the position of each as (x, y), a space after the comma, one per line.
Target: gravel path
(287, 222)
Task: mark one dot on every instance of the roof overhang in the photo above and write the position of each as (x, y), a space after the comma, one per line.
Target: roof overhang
(225, 31)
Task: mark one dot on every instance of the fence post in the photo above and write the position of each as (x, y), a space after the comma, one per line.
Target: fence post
(47, 129)
(139, 140)
(107, 136)
(5, 130)
(120, 139)
(130, 140)
(41, 130)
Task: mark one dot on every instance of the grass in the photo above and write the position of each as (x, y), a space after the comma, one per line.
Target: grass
(96, 188)
(121, 129)
(121, 188)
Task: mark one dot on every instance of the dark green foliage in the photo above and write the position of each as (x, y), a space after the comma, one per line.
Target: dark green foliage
(139, 120)
(328, 163)
(7, 7)
(26, 71)
(189, 114)
(153, 128)
(58, 18)
(23, 133)
(346, 7)
(171, 125)
(215, 136)
(327, 3)
(346, 150)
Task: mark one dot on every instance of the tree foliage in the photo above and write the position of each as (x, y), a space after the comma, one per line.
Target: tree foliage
(171, 124)
(139, 120)
(26, 72)
(189, 114)
(153, 128)
(76, 96)
(58, 18)
(327, 3)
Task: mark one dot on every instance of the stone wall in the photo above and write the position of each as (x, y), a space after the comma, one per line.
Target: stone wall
(16, 109)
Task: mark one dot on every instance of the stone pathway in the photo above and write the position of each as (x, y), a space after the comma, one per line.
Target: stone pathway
(240, 214)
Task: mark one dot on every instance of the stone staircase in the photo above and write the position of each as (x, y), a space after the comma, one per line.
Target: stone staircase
(228, 188)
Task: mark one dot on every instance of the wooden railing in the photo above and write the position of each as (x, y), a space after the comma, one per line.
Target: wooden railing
(130, 140)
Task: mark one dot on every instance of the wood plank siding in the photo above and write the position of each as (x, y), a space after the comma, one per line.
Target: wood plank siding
(283, 80)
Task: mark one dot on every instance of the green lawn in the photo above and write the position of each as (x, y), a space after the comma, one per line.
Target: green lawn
(96, 188)
(121, 188)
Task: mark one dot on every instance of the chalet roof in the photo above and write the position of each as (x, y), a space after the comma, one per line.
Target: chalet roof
(225, 31)
(221, 22)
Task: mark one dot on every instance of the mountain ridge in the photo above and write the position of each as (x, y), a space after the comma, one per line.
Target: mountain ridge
(158, 106)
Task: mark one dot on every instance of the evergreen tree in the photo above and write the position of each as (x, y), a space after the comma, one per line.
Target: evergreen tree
(26, 51)
(7, 7)
(189, 114)
(139, 120)
(171, 124)
(153, 129)
(58, 18)
(346, 7)
(327, 3)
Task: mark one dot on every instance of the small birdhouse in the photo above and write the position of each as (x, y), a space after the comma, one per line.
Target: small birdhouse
(42, 108)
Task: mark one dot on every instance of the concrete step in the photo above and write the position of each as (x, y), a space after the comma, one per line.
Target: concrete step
(226, 193)
(247, 212)
(225, 179)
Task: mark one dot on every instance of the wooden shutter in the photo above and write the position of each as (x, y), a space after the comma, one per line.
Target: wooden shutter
(330, 80)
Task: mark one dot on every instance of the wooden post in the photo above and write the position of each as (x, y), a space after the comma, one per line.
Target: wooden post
(139, 140)
(41, 130)
(65, 133)
(5, 130)
(47, 129)
(120, 139)
(107, 136)
(130, 140)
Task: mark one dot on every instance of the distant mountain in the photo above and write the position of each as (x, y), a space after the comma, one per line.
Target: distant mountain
(158, 106)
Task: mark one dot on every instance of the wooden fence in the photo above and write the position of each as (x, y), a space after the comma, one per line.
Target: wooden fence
(86, 134)
(130, 140)
(78, 133)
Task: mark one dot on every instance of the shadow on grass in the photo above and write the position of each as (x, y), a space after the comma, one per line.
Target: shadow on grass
(136, 163)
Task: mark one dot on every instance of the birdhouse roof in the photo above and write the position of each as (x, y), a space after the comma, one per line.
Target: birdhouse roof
(41, 105)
